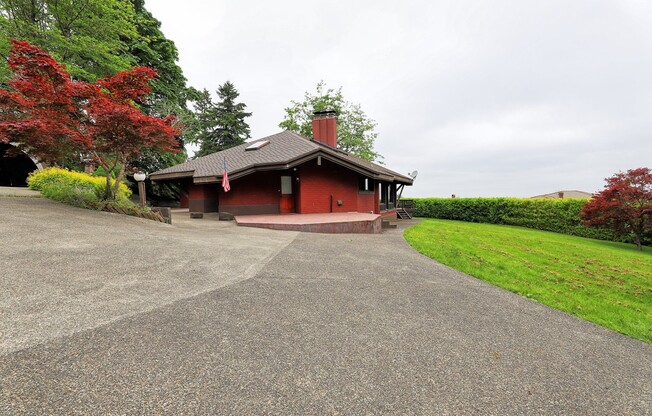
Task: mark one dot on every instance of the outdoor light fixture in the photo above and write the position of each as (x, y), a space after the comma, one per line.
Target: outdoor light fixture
(140, 178)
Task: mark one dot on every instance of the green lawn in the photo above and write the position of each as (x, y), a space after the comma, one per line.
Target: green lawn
(600, 281)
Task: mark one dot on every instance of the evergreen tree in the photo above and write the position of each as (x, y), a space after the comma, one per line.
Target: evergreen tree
(220, 125)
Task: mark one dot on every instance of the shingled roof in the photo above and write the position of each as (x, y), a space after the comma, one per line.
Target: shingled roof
(284, 150)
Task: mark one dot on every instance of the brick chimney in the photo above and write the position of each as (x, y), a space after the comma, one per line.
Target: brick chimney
(324, 127)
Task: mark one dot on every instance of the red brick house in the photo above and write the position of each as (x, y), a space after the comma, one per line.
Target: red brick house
(287, 173)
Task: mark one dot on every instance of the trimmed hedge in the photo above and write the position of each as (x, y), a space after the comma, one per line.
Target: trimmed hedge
(556, 215)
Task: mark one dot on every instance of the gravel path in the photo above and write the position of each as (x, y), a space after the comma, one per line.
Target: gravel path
(323, 324)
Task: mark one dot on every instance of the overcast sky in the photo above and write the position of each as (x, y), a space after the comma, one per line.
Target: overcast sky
(483, 98)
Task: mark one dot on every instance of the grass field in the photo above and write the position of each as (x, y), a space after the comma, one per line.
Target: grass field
(607, 283)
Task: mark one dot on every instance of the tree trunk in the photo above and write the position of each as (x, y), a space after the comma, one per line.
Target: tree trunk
(637, 240)
(118, 178)
(107, 190)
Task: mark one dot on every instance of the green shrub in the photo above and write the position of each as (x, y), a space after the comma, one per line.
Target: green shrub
(84, 191)
(63, 179)
(556, 215)
(70, 193)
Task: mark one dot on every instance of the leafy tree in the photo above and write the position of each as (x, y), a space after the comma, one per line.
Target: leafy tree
(50, 116)
(624, 205)
(5, 72)
(93, 38)
(220, 125)
(88, 36)
(355, 130)
(152, 49)
(169, 94)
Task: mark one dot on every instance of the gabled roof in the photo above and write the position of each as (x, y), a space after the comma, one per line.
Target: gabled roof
(285, 150)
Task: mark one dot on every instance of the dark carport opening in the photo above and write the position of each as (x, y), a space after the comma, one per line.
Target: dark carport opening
(15, 166)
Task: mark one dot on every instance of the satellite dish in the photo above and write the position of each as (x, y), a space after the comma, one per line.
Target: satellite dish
(414, 174)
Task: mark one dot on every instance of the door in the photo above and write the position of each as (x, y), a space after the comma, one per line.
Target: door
(286, 205)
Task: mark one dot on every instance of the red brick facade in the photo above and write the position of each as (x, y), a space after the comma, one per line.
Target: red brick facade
(317, 188)
(201, 198)
(323, 188)
(324, 128)
(258, 193)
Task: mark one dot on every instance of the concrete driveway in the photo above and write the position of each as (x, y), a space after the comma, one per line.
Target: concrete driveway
(65, 269)
(104, 314)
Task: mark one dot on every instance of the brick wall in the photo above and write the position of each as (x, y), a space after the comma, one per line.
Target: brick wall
(367, 202)
(202, 198)
(195, 191)
(258, 193)
(318, 183)
(183, 195)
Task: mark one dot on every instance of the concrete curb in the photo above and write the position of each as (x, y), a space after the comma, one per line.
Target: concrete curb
(19, 192)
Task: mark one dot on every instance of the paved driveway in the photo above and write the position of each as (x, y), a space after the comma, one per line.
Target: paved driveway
(65, 269)
(312, 324)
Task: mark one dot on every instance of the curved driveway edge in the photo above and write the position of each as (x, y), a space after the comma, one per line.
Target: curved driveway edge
(337, 324)
(65, 269)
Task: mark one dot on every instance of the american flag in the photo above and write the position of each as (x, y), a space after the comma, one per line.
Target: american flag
(225, 179)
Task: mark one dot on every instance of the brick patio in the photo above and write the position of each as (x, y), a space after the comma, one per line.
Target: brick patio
(339, 222)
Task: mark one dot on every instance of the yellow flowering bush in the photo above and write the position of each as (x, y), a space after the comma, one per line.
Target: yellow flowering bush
(58, 181)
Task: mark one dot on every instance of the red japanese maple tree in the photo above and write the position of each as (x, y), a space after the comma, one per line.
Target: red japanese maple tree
(624, 205)
(50, 116)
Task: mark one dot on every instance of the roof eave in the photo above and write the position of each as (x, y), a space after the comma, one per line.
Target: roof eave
(172, 175)
(365, 171)
(259, 167)
(329, 154)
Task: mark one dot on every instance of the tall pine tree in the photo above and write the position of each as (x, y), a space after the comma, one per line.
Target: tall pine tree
(220, 125)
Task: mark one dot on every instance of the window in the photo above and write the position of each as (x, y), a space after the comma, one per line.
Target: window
(366, 184)
(383, 196)
(286, 185)
(392, 195)
(257, 145)
(387, 196)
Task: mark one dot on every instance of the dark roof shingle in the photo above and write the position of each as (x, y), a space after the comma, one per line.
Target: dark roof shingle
(283, 149)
